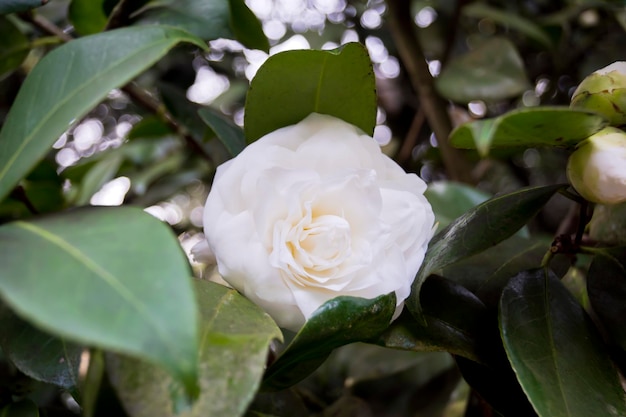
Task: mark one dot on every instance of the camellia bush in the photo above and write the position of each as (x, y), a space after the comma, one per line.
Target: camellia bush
(391, 221)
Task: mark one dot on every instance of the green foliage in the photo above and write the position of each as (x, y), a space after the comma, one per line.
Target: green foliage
(478, 229)
(539, 126)
(339, 83)
(337, 322)
(491, 72)
(38, 117)
(489, 329)
(234, 335)
(547, 336)
(140, 304)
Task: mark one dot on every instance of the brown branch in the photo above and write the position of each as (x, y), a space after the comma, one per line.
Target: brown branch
(137, 94)
(412, 56)
(122, 12)
(412, 136)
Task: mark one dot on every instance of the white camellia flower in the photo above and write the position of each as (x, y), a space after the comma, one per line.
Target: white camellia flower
(313, 211)
(597, 168)
(604, 92)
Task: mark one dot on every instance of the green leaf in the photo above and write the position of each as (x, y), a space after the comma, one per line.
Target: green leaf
(450, 200)
(16, 6)
(555, 350)
(528, 127)
(208, 20)
(14, 47)
(606, 286)
(493, 71)
(235, 337)
(454, 319)
(87, 16)
(487, 273)
(115, 278)
(37, 354)
(509, 21)
(246, 26)
(293, 84)
(227, 132)
(23, 408)
(337, 322)
(480, 228)
(84, 71)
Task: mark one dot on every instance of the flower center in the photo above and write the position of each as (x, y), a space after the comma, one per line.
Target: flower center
(312, 251)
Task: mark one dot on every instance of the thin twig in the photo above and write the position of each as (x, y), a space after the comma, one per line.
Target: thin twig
(411, 139)
(452, 30)
(122, 12)
(412, 56)
(137, 94)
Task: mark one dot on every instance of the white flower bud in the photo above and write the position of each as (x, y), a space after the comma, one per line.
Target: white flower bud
(604, 92)
(597, 168)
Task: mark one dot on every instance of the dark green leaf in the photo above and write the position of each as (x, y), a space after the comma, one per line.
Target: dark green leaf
(450, 200)
(494, 71)
(454, 319)
(337, 322)
(23, 408)
(84, 71)
(606, 286)
(16, 6)
(37, 354)
(509, 21)
(111, 277)
(487, 273)
(235, 337)
(183, 110)
(227, 132)
(528, 127)
(293, 84)
(555, 350)
(87, 16)
(14, 47)
(246, 26)
(480, 228)
(496, 384)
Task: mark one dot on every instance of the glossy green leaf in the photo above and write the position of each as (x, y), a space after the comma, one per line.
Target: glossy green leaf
(16, 6)
(496, 383)
(235, 337)
(606, 286)
(87, 16)
(37, 354)
(556, 351)
(227, 132)
(115, 278)
(454, 319)
(84, 70)
(488, 272)
(478, 229)
(293, 84)
(528, 127)
(509, 21)
(14, 47)
(246, 26)
(149, 127)
(493, 71)
(23, 408)
(450, 200)
(337, 322)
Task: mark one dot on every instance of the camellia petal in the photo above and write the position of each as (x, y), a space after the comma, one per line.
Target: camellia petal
(314, 211)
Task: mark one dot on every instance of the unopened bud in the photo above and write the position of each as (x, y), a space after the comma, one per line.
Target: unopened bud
(597, 168)
(604, 92)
